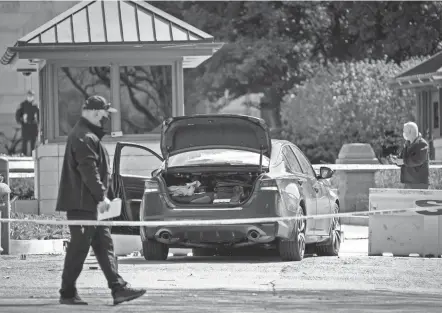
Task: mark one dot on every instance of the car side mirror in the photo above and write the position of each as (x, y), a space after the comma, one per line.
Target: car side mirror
(325, 172)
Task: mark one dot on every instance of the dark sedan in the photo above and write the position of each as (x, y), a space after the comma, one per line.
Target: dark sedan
(227, 167)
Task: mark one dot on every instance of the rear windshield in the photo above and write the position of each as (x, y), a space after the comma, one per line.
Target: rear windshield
(217, 156)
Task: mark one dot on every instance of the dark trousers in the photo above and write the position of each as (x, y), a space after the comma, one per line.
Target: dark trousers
(82, 238)
(29, 134)
(28, 140)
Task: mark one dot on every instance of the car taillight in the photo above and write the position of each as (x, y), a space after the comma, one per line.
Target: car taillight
(151, 186)
(268, 184)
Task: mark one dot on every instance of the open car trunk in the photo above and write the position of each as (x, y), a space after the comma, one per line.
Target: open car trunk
(210, 188)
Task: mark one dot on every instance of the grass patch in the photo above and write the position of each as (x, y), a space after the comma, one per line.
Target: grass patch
(31, 231)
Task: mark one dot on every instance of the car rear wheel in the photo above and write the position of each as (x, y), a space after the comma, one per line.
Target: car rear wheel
(203, 252)
(294, 249)
(334, 243)
(154, 250)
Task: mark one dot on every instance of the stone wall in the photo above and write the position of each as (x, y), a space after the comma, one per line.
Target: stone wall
(49, 162)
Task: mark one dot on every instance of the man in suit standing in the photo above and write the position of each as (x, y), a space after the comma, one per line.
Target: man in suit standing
(28, 116)
(414, 159)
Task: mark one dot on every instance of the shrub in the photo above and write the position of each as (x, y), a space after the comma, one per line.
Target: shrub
(391, 179)
(348, 102)
(23, 188)
(28, 231)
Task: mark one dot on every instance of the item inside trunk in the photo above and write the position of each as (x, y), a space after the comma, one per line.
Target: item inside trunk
(210, 188)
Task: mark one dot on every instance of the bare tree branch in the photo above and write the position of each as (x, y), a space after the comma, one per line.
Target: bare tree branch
(128, 83)
(76, 85)
(137, 104)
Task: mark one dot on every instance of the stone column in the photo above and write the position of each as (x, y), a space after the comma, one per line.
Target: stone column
(353, 188)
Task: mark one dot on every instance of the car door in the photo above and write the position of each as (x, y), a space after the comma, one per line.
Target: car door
(322, 226)
(132, 164)
(298, 178)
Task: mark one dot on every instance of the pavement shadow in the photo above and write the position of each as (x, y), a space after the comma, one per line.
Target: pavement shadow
(204, 259)
(222, 300)
(30, 304)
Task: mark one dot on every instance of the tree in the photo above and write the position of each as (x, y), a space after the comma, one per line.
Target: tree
(266, 47)
(346, 103)
(272, 46)
(356, 30)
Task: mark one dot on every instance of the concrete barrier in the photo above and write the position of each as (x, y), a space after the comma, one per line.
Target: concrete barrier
(404, 234)
(19, 247)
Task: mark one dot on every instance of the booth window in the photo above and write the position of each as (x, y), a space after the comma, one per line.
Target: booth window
(145, 98)
(75, 85)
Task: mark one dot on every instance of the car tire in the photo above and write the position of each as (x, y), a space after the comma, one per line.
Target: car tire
(203, 252)
(155, 251)
(294, 249)
(333, 245)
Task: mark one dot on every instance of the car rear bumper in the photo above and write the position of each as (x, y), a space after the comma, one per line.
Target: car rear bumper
(216, 236)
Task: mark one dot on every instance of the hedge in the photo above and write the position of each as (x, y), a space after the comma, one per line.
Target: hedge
(391, 179)
(23, 188)
(28, 231)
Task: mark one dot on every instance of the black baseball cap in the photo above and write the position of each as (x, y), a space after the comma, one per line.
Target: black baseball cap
(98, 103)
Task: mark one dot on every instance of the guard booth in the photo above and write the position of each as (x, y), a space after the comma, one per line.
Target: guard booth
(127, 51)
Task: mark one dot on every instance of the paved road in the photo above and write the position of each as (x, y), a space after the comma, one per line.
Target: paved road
(352, 282)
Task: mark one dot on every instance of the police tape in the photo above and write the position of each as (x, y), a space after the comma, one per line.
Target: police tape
(365, 167)
(430, 210)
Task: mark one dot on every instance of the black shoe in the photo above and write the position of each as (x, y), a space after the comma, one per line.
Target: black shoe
(126, 294)
(75, 300)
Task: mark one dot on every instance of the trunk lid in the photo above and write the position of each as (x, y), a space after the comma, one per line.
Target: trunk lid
(215, 131)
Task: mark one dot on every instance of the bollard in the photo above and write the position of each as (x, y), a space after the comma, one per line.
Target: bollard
(5, 204)
(354, 185)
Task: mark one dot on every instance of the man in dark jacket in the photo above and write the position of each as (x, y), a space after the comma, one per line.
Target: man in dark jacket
(83, 191)
(28, 116)
(414, 159)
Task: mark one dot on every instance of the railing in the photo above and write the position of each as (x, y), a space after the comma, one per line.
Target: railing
(21, 167)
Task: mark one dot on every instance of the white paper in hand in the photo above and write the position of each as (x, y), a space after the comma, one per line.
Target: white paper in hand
(114, 210)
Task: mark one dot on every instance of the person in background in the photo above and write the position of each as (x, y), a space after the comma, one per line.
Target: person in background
(414, 159)
(28, 116)
(84, 190)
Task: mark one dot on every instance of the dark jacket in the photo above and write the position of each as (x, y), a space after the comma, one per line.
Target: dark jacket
(85, 176)
(30, 126)
(415, 169)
